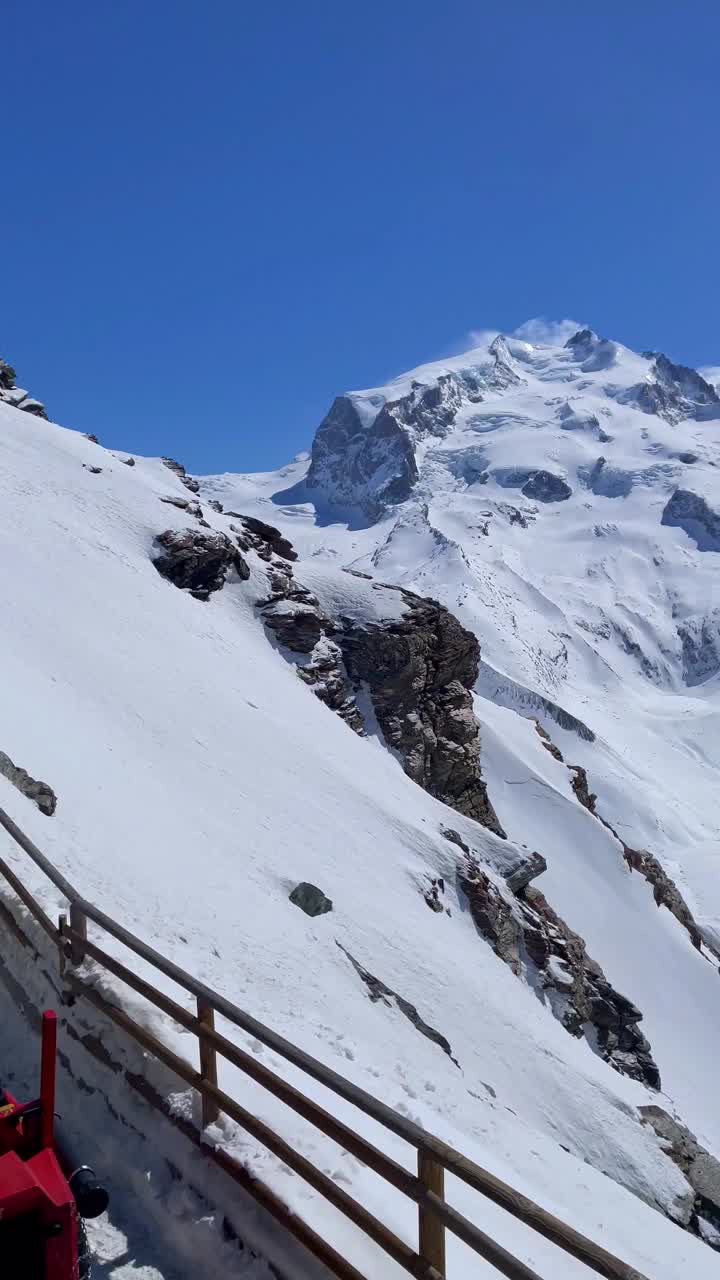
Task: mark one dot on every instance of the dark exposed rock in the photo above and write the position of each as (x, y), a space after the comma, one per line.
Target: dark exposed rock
(665, 891)
(94, 471)
(580, 994)
(129, 462)
(419, 671)
(689, 511)
(293, 615)
(700, 640)
(325, 673)
(39, 792)
(536, 943)
(582, 343)
(649, 667)
(93, 439)
(493, 914)
(432, 894)
(363, 453)
(7, 376)
(178, 469)
(699, 1166)
(295, 624)
(593, 352)
(430, 410)
(269, 538)
(198, 562)
(183, 504)
(526, 870)
(379, 992)
(455, 838)
(548, 743)
(543, 486)
(514, 515)
(16, 396)
(310, 899)
(373, 464)
(214, 505)
(363, 465)
(291, 612)
(689, 382)
(579, 784)
(673, 391)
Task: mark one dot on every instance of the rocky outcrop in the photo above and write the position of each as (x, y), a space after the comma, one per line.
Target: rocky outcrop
(419, 672)
(673, 392)
(418, 669)
(198, 562)
(326, 675)
(547, 742)
(265, 538)
(527, 869)
(701, 1169)
(186, 504)
(178, 469)
(580, 785)
(593, 353)
(362, 465)
(378, 991)
(293, 616)
(39, 792)
(700, 640)
(16, 396)
(665, 891)
(295, 621)
(525, 931)
(689, 511)
(543, 486)
(363, 454)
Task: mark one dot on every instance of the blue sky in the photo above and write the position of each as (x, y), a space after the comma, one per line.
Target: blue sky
(216, 216)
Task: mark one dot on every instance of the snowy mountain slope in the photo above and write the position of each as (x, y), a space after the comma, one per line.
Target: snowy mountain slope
(199, 780)
(545, 506)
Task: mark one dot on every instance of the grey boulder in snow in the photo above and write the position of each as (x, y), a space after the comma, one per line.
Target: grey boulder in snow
(310, 899)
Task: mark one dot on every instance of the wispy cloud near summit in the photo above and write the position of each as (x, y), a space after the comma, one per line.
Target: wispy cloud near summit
(550, 332)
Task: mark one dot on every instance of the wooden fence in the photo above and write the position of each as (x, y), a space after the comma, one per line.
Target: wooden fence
(434, 1157)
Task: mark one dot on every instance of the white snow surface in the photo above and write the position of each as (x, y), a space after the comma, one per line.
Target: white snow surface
(199, 780)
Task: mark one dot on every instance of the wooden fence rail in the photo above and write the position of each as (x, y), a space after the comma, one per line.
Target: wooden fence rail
(434, 1157)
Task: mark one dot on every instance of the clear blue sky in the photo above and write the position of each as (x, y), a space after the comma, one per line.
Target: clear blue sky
(217, 214)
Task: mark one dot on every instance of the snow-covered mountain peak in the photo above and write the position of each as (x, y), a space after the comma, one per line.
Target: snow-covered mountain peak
(459, 670)
(509, 411)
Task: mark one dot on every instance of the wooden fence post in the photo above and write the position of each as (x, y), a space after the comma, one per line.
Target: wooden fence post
(208, 1062)
(432, 1230)
(78, 923)
(62, 954)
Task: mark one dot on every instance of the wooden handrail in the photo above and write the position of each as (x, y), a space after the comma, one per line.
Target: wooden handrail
(415, 1189)
(426, 1190)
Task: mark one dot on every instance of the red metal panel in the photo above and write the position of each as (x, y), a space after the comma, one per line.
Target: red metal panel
(47, 1078)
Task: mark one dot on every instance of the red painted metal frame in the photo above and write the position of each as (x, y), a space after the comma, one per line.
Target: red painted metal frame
(47, 1077)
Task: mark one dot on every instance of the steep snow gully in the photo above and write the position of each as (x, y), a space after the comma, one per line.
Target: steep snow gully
(458, 669)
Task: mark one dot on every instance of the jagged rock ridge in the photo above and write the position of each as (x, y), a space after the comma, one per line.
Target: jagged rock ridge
(537, 944)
